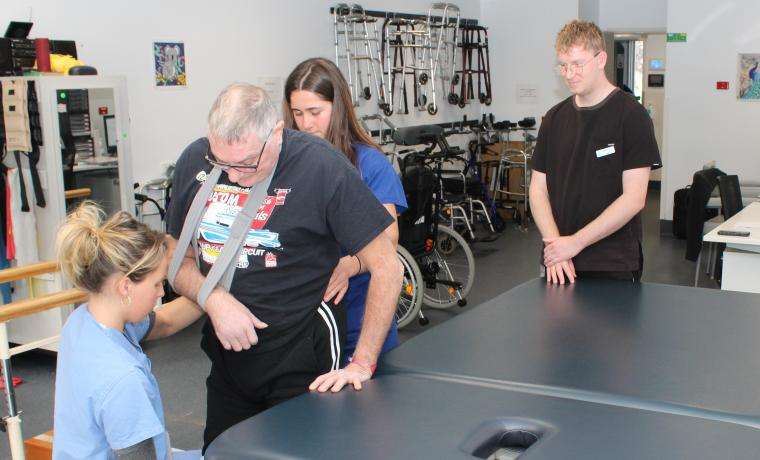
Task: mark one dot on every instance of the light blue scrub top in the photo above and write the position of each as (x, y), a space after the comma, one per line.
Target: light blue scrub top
(106, 397)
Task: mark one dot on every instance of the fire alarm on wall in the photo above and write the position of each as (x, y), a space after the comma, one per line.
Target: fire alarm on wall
(721, 85)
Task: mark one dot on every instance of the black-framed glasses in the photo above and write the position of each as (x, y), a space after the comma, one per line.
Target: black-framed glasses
(240, 167)
(575, 68)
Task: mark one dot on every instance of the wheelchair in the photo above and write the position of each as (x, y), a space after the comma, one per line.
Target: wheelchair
(410, 299)
(464, 207)
(443, 257)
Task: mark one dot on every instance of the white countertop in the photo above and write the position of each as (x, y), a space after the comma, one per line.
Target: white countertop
(747, 219)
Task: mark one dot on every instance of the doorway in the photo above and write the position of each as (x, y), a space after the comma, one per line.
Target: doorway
(629, 64)
(638, 63)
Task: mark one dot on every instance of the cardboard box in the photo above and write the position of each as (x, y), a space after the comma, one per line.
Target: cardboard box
(39, 447)
(495, 152)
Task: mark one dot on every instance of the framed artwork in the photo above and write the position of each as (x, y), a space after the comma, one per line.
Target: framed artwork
(170, 64)
(748, 79)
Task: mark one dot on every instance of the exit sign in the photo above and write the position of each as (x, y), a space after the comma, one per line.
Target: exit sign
(677, 37)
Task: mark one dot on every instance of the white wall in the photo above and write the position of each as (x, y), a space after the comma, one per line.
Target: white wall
(625, 15)
(588, 10)
(702, 123)
(522, 53)
(237, 40)
(632, 15)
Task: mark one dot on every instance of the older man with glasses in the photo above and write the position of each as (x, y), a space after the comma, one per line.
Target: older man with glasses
(590, 168)
(269, 335)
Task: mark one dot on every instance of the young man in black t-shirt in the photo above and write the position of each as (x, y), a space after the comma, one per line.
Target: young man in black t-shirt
(591, 168)
(271, 337)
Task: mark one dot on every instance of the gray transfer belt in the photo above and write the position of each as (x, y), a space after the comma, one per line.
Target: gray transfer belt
(223, 269)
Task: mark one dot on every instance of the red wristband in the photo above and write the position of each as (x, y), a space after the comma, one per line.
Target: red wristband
(371, 367)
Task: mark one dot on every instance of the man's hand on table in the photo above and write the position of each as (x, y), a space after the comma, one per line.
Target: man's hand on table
(555, 274)
(353, 374)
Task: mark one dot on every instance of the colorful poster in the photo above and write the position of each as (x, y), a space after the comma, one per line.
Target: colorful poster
(749, 77)
(169, 63)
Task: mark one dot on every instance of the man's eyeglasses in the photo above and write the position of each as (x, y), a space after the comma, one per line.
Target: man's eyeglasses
(240, 167)
(574, 68)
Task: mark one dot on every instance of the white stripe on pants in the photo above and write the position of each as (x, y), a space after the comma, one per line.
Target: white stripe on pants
(332, 327)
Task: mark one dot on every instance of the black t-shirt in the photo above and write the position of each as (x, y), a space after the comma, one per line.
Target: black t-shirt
(317, 204)
(583, 151)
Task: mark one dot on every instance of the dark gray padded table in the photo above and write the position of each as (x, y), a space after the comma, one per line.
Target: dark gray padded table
(421, 417)
(599, 369)
(671, 348)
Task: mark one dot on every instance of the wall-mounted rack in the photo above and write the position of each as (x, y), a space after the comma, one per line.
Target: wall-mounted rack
(391, 15)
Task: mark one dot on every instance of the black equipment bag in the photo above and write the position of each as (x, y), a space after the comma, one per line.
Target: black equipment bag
(415, 223)
(680, 211)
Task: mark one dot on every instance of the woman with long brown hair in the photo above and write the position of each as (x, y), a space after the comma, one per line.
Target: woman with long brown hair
(318, 101)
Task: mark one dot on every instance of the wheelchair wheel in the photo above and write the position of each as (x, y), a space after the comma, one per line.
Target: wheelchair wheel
(410, 298)
(448, 271)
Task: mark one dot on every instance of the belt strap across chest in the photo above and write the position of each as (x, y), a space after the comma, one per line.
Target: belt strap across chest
(223, 269)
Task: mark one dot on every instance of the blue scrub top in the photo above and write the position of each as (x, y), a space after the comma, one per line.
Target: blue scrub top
(382, 179)
(106, 397)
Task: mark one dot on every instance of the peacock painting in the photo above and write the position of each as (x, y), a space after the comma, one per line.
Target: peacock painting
(749, 77)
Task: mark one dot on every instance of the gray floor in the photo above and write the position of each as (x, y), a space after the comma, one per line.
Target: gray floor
(181, 367)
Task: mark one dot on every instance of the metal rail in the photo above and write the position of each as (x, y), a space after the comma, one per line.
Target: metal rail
(12, 421)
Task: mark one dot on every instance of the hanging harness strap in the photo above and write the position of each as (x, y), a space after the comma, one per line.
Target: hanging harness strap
(34, 158)
(35, 132)
(22, 182)
(192, 219)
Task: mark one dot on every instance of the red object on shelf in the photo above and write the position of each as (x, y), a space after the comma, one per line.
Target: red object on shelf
(16, 382)
(42, 47)
(721, 85)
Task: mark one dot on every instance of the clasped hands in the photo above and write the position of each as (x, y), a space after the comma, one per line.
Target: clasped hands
(558, 258)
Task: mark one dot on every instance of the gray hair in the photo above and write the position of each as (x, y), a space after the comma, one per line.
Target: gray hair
(239, 110)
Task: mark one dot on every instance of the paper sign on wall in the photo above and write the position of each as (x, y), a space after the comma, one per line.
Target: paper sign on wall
(527, 94)
(272, 85)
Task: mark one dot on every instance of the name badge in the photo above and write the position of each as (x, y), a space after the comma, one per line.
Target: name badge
(609, 150)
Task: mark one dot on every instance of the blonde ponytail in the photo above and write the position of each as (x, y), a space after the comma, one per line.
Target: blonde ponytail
(90, 249)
